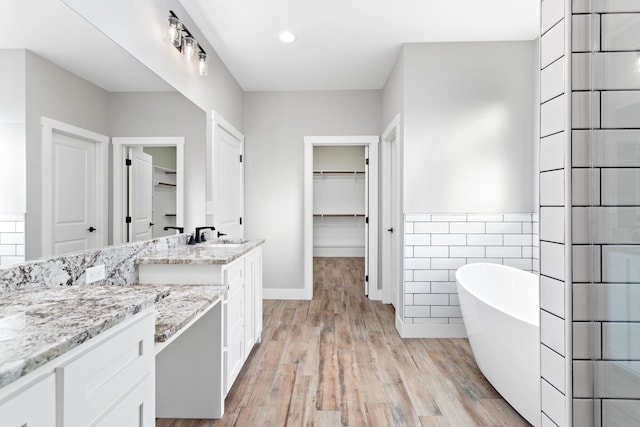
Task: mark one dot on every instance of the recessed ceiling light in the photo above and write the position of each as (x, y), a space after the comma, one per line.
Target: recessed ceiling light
(287, 37)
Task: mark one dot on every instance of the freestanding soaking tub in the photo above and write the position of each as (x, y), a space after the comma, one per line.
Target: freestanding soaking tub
(500, 309)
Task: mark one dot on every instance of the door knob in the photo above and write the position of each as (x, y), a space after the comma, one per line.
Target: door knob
(91, 229)
(390, 230)
(151, 224)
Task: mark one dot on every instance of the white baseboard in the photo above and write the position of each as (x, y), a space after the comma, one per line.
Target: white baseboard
(407, 330)
(290, 294)
(339, 252)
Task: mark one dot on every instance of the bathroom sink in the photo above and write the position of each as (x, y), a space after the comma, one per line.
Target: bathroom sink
(227, 243)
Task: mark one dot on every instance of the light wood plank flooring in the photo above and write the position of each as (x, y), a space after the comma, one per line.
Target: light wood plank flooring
(338, 360)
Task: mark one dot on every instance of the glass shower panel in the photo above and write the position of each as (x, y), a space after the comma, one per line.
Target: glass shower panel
(607, 228)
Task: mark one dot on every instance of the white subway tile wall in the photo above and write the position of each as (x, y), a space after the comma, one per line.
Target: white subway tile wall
(554, 103)
(606, 213)
(11, 239)
(437, 245)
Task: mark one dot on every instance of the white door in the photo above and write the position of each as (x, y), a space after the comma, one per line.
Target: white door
(390, 221)
(229, 182)
(140, 195)
(74, 194)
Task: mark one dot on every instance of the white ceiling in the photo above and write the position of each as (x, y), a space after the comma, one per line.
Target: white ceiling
(345, 44)
(52, 30)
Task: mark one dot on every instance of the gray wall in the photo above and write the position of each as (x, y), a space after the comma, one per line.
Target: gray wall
(393, 92)
(167, 114)
(57, 94)
(275, 125)
(469, 127)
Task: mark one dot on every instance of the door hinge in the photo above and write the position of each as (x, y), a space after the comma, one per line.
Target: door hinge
(366, 162)
(240, 158)
(240, 220)
(366, 278)
(127, 162)
(128, 220)
(366, 220)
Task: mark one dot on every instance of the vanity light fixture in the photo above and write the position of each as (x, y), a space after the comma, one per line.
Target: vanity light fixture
(202, 64)
(287, 37)
(179, 36)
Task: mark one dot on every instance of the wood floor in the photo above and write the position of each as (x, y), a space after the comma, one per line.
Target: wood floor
(338, 360)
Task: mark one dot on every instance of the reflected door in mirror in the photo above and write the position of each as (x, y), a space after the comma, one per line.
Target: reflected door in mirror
(74, 198)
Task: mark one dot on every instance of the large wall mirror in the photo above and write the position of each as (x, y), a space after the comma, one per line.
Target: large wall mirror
(67, 91)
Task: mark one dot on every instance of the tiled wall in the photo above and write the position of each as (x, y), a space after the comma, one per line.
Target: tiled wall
(11, 238)
(606, 213)
(436, 245)
(555, 318)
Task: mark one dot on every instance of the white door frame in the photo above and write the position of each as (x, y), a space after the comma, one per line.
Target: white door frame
(49, 127)
(372, 143)
(218, 121)
(393, 131)
(119, 184)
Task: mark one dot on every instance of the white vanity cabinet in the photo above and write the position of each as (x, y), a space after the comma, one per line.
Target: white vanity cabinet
(253, 301)
(235, 314)
(18, 410)
(106, 381)
(112, 381)
(242, 305)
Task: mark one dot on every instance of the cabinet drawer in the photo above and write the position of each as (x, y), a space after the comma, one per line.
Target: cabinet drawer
(34, 406)
(234, 274)
(96, 380)
(137, 409)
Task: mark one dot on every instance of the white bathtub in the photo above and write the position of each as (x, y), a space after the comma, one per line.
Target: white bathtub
(500, 308)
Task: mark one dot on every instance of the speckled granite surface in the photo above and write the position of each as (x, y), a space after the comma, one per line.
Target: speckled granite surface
(38, 325)
(203, 253)
(182, 305)
(69, 270)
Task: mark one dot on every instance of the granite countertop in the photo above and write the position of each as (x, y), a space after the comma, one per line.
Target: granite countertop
(201, 253)
(38, 325)
(182, 305)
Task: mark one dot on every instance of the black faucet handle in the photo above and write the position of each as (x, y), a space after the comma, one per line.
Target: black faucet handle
(200, 236)
(170, 227)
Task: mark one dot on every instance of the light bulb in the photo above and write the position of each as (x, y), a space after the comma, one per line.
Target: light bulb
(202, 64)
(175, 31)
(190, 48)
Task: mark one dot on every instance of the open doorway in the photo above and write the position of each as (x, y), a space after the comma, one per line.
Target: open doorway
(148, 183)
(341, 204)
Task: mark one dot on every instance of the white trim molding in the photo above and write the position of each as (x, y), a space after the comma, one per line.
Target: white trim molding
(49, 127)
(119, 184)
(285, 294)
(370, 141)
(422, 330)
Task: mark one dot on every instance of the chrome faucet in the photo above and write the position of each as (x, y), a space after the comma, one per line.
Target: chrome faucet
(199, 238)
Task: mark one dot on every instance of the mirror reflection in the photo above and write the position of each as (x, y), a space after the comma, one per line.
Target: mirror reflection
(64, 100)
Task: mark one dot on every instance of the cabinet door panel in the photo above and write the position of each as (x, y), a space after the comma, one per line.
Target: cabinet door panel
(18, 411)
(137, 409)
(98, 379)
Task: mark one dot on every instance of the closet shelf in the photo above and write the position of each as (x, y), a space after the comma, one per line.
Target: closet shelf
(165, 170)
(166, 183)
